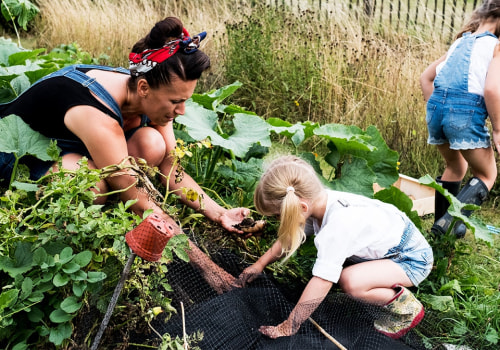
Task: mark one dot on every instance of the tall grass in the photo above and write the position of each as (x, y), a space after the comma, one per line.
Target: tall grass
(324, 66)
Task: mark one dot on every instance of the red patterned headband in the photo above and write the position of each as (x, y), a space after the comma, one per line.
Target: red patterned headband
(141, 63)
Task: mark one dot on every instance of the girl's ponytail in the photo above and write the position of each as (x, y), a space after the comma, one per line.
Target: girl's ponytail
(291, 231)
(286, 183)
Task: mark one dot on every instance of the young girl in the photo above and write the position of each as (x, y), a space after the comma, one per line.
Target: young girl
(462, 88)
(388, 251)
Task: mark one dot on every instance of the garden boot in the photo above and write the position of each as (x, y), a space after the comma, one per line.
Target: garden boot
(474, 192)
(405, 313)
(441, 203)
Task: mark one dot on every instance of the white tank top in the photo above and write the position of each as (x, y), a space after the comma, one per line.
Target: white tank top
(481, 56)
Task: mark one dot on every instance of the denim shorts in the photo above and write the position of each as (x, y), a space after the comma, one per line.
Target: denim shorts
(413, 254)
(457, 118)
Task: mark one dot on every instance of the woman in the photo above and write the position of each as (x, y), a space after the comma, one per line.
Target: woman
(108, 114)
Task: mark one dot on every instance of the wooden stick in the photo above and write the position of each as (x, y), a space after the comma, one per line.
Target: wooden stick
(332, 339)
(184, 327)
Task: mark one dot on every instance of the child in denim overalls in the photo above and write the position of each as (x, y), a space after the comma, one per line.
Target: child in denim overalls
(462, 88)
(109, 114)
(385, 251)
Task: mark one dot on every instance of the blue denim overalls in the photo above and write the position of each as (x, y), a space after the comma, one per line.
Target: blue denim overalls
(71, 146)
(454, 115)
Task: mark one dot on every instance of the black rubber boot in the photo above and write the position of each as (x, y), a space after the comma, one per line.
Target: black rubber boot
(474, 192)
(441, 204)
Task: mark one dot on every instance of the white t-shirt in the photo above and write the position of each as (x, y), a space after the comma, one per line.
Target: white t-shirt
(481, 56)
(353, 225)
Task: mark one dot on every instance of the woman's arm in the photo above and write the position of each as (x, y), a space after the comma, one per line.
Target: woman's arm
(105, 141)
(427, 78)
(211, 209)
(314, 293)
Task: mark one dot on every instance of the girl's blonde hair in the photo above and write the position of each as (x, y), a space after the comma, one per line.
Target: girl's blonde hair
(488, 10)
(286, 182)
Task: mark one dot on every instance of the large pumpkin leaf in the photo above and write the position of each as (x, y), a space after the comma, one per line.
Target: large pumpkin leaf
(382, 160)
(212, 99)
(357, 177)
(19, 138)
(347, 138)
(248, 129)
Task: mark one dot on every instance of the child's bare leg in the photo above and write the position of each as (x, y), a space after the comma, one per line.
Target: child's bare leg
(372, 281)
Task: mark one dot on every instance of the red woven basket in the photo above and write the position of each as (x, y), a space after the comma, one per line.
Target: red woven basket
(150, 237)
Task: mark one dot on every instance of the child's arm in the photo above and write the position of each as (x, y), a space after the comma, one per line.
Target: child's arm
(427, 78)
(492, 95)
(272, 254)
(314, 293)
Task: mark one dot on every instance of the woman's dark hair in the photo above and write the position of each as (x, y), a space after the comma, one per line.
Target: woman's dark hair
(186, 66)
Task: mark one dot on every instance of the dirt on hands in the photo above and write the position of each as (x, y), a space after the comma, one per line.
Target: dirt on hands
(249, 225)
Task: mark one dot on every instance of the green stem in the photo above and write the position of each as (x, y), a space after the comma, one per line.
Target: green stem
(13, 23)
(14, 171)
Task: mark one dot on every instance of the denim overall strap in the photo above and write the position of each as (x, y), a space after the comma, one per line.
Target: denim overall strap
(455, 73)
(407, 234)
(74, 74)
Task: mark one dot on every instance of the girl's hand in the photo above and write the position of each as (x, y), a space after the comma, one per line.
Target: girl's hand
(249, 274)
(233, 217)
(284, 329)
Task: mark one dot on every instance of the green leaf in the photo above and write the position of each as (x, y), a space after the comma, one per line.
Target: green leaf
(347, 138)
(36, 75)
(440, 303)
(24, 186)
(7, 48)
(35, 315)
(356, 177)
(22, 261)
(19, 138)
(39, 256)
(71, 305)
(297, 132)
(20, 58)
(79, 288)
(181, 254)
(8, 298)
(96, 276)
(211, 99)
(26, 288)
(71, 267)
(492, 335)
(83, 258)
(60, 316)
(60, 280)
(66, 255)
(249, 129)
(382, 160)
(60, 333)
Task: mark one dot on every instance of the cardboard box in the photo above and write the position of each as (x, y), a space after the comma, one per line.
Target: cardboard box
(421, 195)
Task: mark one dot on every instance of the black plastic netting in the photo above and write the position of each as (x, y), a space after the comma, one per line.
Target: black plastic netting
(231, 320)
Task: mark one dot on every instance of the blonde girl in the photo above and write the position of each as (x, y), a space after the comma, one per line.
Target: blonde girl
(387, 251)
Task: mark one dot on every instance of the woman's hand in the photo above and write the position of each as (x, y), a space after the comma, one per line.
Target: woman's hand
(233, 217)
(284, 329)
